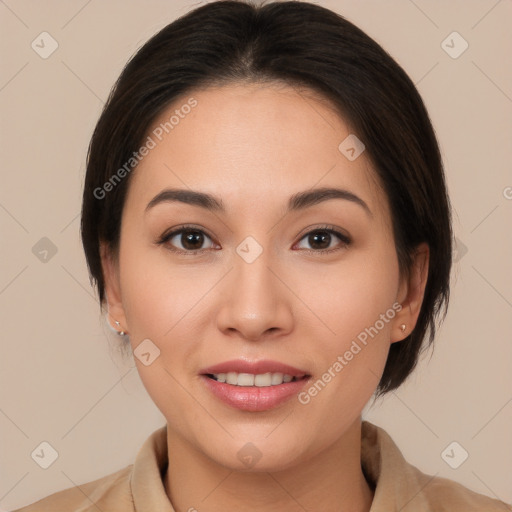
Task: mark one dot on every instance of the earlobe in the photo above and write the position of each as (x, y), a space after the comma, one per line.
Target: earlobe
(115, 315)
(412, 292)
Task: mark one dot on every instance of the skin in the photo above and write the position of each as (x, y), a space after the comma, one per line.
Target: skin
(253, 146)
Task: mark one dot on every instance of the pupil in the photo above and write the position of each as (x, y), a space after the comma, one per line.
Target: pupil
(191, 239)
(320, 237)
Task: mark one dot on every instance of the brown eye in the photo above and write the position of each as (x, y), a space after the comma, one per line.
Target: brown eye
(187, 240)
(320, 240)
(191, 240)
(324, 240)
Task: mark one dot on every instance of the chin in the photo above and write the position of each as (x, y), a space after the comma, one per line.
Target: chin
(261, 454)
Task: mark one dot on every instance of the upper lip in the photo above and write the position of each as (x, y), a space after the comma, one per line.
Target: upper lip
(254, 367)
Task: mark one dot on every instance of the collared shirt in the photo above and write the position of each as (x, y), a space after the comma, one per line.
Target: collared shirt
(398, 485)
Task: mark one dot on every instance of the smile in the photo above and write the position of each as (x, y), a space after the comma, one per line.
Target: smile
(260, 380)
(253, 386)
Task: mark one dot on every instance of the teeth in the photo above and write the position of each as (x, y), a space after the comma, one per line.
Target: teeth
(277, 378)
(245, 379)
(231, 378)
(260, 380)
(263, 380)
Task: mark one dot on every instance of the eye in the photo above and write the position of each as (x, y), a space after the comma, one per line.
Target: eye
(322, 239)
(190, 240)
(186, 239)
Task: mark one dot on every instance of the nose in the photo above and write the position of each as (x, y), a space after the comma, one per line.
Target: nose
(255, 303)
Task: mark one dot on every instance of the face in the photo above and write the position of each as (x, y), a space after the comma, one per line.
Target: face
(254, 282)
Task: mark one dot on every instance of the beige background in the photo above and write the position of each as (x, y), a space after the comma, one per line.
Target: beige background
(62, 379)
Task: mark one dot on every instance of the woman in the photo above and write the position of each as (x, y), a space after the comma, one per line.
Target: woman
(265, 217)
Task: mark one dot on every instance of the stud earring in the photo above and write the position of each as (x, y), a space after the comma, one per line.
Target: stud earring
(402, 327)
(121, 333)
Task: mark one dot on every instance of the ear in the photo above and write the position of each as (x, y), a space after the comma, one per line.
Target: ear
(410, 294)
(110, 268)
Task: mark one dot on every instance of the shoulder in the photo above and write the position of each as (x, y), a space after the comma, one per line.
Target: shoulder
(111, 493)
(445, 495)
(400, 485)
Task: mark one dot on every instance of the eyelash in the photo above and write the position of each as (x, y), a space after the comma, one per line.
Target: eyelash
(164, 239)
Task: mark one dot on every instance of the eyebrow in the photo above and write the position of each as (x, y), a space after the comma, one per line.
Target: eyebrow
(298, 201)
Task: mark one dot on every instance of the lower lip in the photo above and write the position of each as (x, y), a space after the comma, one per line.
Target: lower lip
(253, 398)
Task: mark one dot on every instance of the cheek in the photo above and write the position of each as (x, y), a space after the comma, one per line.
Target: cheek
(349, 296)
(157, 295)
(169, 304)
(162, 303)
(354, 302)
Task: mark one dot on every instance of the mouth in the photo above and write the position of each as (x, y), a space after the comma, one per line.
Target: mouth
(254, 386)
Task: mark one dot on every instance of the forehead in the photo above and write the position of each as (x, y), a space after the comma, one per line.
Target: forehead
(249, 142)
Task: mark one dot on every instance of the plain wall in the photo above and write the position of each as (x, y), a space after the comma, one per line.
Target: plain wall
(62, 378)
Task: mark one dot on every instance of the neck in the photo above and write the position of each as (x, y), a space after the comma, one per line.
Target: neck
(330, 481)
